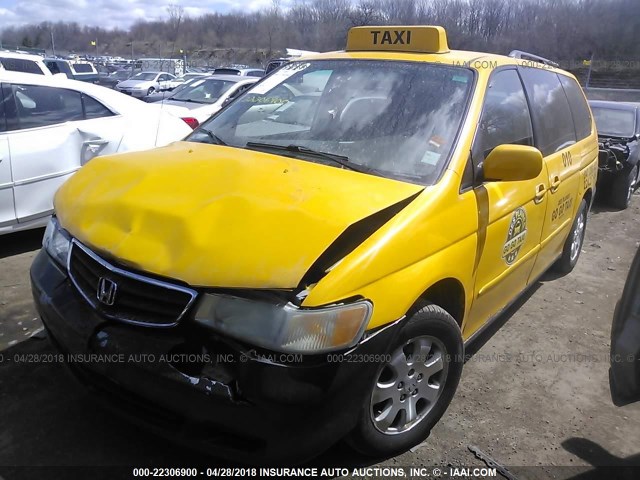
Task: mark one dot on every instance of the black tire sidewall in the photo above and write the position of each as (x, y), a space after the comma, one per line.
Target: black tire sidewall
(620, 188)
(565, 264)
(430, 320)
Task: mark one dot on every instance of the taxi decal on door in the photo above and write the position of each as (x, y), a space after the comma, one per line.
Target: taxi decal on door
(516, 236)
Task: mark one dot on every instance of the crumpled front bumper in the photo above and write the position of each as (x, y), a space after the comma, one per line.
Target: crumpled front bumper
(216, 395)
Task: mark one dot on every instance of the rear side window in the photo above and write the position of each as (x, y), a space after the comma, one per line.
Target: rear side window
(94, 109)
(552, 119)
(21, 65)
(40, 106)
(579, 107)
(505, 115)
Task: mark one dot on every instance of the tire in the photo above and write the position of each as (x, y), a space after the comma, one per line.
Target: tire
(151, 90)
(409, 382)
(573, 244)
(622, 188)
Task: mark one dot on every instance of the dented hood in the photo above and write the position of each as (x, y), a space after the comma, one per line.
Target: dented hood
(218, 216)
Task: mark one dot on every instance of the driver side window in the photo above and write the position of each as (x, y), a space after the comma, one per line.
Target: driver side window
(505, 117)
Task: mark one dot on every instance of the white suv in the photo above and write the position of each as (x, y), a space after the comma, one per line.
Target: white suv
(23, 62)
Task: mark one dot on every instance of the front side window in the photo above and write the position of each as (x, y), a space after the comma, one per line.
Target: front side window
(505, 116)
(552, 116)
(393, 119)
(40, 106)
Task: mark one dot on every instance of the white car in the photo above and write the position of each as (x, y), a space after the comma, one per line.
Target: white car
(145, 83)
(204, 97)
(52, 126)
(23, 62)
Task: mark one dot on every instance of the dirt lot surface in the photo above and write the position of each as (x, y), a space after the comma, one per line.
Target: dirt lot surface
(535, 393)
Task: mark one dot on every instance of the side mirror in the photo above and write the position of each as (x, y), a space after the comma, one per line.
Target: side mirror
(512, 163)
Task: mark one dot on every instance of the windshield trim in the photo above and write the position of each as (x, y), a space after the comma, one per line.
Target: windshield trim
(396, 177)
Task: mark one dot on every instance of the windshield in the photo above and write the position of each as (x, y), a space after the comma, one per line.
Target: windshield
(121, 74)
(394, 119)
(203, 90)
(615, 122)
(144, 76)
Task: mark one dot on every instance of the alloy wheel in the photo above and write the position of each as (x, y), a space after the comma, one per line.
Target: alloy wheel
(409, 385)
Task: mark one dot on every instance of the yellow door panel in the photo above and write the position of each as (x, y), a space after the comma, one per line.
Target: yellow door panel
(564, 169)
(514, 217)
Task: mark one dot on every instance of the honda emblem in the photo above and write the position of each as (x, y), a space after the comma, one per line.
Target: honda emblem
(107, 291)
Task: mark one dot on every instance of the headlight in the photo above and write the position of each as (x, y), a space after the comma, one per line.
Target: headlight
(56, 242)
(285, 328)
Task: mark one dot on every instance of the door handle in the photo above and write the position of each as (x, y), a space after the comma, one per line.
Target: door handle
(555, 184)
(540, 191)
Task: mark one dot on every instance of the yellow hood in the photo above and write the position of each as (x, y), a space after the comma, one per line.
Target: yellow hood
(218, 216)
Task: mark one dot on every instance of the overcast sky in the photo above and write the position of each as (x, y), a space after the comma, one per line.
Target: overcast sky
(112, 13)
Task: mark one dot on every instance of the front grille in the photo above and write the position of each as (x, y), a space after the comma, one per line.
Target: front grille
(136, 299)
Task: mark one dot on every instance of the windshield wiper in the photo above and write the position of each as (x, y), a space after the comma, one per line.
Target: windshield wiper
(333, 157)
(186, 100)
(216, 139)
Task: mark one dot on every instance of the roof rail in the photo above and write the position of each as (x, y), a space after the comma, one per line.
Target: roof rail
(530, 56)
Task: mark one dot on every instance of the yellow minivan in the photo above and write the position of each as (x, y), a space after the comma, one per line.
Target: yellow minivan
(310, 262)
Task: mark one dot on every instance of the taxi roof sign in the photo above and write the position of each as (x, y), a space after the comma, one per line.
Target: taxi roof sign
(418, 39)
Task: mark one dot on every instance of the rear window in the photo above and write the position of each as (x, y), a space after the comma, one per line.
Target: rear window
(579, 107)
(226, 71)
(614, 121)
(21, 65)
(82, 68)
(552, 118)
(203, 91)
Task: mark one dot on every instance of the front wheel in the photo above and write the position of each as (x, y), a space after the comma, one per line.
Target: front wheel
(151, 90)
(622, 188)
(414, 387)
(573, 244)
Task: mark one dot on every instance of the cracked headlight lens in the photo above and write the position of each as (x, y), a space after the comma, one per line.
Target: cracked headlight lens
(56, 242)
(285, 328)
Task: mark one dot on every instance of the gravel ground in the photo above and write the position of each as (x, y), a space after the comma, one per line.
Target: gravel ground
(534, 394)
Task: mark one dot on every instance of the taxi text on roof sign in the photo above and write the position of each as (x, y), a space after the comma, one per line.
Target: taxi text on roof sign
(420, 39)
